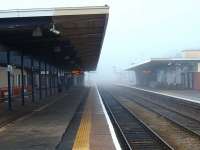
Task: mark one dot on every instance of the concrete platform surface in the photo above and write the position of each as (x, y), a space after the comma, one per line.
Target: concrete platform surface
(42, 129)
(93, 132)
(186, 94)
(18, 110)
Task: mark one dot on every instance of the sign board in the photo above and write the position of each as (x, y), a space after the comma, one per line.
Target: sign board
(77, 72)
(10, 68)
(43, 72)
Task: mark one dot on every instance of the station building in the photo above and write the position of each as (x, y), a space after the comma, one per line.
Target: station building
(169, 73)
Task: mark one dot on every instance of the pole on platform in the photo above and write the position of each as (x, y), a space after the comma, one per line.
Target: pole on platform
(22, 78)
(57, 79)
(50, 79)
(40, 88)
(32, 80)
(9, 82)
(54, 80)
(45, 78)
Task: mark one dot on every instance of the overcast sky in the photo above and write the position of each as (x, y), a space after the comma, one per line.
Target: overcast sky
(137, 29)
(141, 29)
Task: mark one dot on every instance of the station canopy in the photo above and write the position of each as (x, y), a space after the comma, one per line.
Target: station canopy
(68, 37)
(162, 62)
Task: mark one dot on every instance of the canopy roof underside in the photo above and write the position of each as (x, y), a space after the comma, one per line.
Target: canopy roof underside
(68, 37)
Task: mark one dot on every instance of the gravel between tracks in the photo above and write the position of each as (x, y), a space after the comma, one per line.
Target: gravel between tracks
(177, 137)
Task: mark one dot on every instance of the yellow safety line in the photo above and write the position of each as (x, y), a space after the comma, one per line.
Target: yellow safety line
(82, 140)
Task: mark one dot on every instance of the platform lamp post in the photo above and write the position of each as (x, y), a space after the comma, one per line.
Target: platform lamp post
(9, 81)
(22, 77)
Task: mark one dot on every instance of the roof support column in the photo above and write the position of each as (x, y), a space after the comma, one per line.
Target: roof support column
(40, 89)
(45, 78)
(53, 81)
(50, 79)
(22, 78)
(64, 78)
(9, 82)
(57, 84)
(61, 79)
(32, 80)
(55, 77)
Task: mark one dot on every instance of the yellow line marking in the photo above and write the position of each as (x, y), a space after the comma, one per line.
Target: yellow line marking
(82, 140)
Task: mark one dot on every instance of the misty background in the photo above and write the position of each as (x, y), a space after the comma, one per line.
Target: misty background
(137, 29)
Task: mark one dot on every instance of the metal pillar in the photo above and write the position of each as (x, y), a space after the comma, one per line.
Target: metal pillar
(45, 77)
(63, 79)
(9, 82)
(50, 80)
(32, 80)
(22, 78)
(54, 80)
(53, 87)
(40, 88)
(57, 79)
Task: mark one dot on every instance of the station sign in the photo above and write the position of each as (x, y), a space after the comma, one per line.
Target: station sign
(43, 72)
(146, 71)
(10, 68)
(77, 72)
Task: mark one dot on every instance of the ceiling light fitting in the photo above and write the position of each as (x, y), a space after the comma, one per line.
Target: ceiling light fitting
(53, 29)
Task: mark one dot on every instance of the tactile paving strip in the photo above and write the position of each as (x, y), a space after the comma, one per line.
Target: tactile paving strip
(82, 140)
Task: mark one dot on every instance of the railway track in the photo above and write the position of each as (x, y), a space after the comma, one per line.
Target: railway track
(183, 120)
(185, 107)
(132, 132)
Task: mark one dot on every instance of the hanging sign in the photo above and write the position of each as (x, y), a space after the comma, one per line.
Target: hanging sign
(10, 68)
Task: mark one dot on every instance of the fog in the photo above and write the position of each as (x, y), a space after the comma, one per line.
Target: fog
(137, 29)
(141, 29)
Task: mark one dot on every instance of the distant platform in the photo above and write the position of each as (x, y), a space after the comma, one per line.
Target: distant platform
(188, 95)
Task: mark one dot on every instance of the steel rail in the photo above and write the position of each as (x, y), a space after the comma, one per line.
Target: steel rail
(194, 130)
(121, 137)
(133, 130)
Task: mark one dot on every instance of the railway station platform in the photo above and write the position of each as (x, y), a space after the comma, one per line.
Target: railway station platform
(56, 125)
(19, 110)
(188, 95)
(184, 94)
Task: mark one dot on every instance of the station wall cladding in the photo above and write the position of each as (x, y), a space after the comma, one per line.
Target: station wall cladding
(15, 72)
